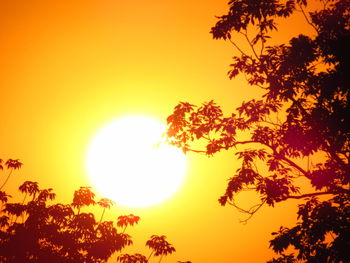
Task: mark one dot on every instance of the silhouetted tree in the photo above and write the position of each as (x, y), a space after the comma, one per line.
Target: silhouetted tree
(54, 232)
(299, 129)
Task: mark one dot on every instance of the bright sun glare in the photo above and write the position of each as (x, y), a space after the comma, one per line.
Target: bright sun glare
(129, 162)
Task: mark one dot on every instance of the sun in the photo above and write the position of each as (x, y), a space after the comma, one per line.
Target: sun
(129, 162)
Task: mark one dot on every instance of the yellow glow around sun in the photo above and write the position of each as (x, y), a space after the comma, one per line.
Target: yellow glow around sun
(128, 162)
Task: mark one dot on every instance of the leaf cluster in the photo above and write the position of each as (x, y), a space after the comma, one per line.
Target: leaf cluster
(322, 235)
(160, 245)
(38, 231)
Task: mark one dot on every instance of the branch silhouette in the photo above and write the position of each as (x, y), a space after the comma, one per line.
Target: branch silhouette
(302, 115)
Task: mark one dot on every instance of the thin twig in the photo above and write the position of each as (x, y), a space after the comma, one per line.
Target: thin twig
(307, 20)
(236, 46)
(8, 177)
(250, 44)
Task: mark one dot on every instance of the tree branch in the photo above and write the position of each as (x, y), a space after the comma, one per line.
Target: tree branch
(246, 142)
(310, 195)
(262, 42)
(196, 151)
(293, 164)
(334, 155)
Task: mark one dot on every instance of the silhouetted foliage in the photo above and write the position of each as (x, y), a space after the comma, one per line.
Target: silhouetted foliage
(299, 128)
(11, 165)
(160, 247)
(105, 203)
(128, 220)
(38, 230)
(136, 258)
(158, 244)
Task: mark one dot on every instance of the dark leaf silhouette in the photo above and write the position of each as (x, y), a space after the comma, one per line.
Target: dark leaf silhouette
(136, 258)
(160, 247)
(128, 220)
(4, 197)
(105, 203)
(11, 164)
(83, 197)
(53, 232)
(29, 188)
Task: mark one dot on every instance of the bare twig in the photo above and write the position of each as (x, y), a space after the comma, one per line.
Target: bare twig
(237, 47)
(251, 211)
(250, 44)
(307, 19)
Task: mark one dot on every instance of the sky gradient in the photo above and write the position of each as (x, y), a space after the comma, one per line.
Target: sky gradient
(70, 67)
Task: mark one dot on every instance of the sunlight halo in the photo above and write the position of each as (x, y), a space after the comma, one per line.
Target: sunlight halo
(129, 162)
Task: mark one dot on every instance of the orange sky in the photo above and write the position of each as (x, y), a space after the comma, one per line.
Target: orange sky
(68, 67)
